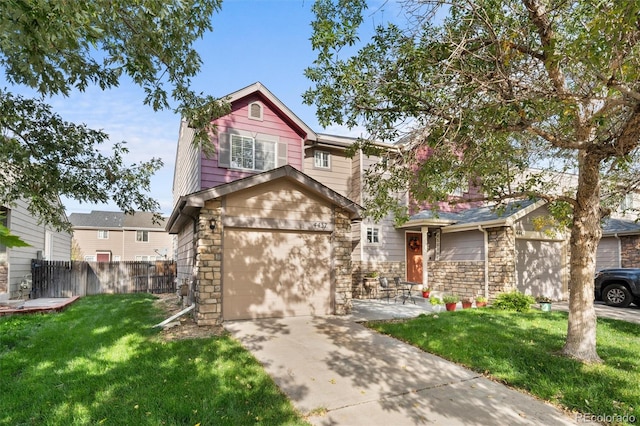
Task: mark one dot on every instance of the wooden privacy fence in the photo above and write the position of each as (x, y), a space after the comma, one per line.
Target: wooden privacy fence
(76, 278)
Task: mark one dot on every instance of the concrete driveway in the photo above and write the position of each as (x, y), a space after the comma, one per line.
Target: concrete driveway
(629, 314)
(340, 373)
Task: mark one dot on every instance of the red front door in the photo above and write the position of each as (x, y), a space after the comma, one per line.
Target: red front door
(414, 257)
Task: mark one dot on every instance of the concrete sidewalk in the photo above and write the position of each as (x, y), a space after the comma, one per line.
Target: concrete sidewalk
(341, 373)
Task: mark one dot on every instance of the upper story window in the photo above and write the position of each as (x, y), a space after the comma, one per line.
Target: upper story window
(322, 160)
(627, 202)
(103, 234)
(146, 258)
(373, 235)
(249, 153)
(142, 236)
(460, 189)
(255, 111)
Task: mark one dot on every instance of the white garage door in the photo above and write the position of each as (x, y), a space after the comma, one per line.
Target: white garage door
(273, 273)
(540, 268)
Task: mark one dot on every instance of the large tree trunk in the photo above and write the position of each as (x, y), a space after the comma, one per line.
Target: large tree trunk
(585, 235)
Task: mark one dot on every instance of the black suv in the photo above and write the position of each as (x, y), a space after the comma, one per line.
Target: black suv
(618, 287)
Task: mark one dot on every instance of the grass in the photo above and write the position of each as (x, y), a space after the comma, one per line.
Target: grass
(101, 362)
(521, 350)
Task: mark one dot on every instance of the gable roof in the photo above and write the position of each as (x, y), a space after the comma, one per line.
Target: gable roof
(188, 206)
(115, 220)
(485, 216)
(260, 89)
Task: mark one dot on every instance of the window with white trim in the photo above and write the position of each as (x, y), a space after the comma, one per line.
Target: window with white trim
(146, 258)
(90, 258)
(103, 234)
(627, 202)
(373, 235)
(322, 160)
(142, 236)
(249, 153)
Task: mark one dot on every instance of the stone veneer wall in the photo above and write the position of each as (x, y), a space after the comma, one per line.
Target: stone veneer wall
(502, 261)
(630, 251)
(384, 269)
(341, 244)
(208, 264)
(4, 278)
(466, 278)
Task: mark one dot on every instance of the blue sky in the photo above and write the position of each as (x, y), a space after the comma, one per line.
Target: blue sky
(252, 40)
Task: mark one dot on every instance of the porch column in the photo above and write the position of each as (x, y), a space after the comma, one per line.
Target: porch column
(425, 257)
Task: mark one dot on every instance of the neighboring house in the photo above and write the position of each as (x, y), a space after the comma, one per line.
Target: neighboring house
(44, 243)
(106, 236)
(620, 244)
(271, 225)
(486, 251)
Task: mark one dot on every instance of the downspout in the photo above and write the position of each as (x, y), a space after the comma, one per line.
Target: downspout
(486, 260)
(617, 237)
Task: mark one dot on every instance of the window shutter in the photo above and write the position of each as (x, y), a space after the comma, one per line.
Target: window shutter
(282, 154)
(224, 150)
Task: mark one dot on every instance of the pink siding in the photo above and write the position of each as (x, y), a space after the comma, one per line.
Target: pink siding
(273, 123)
(445, 205)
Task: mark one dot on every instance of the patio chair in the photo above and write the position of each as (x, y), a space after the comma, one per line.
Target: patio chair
(385, 289)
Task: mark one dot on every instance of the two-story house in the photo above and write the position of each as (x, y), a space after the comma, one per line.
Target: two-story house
(272, 225)
(106, 236)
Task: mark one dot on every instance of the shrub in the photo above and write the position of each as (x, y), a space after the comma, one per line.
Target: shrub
(450, 298)
(435, 301)
(513, 301)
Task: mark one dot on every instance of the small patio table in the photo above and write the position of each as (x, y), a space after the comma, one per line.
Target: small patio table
(406, 289)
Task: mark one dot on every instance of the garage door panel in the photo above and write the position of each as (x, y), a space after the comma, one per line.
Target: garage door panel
(540, 268)
(275, 274)
(607, 254)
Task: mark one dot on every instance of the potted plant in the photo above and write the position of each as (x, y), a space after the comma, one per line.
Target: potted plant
(466, 302)
(545, 303)
(370, 279)
(450, 301)
(481, 302)
(436, 303)
(426, 291)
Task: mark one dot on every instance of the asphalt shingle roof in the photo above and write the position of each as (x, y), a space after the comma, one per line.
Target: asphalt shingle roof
(475, 215)
(108, 219)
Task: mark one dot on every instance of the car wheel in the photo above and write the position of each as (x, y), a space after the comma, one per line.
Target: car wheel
(617, 295)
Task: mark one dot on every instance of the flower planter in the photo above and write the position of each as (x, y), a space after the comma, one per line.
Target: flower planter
(426, 294)
(450, 306)
(466, 305)
(545, 306)
(481, 304)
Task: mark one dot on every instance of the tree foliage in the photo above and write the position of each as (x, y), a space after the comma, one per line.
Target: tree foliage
(56, 46)
(483, 91)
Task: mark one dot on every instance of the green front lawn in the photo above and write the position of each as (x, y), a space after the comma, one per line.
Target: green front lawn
(520, 349)
(101, 362)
